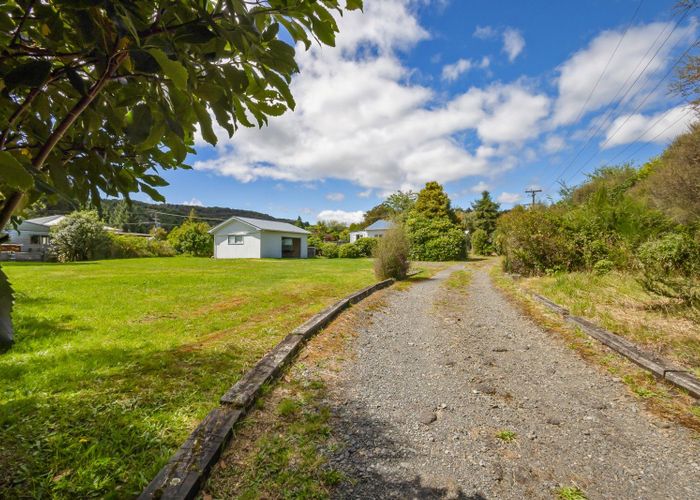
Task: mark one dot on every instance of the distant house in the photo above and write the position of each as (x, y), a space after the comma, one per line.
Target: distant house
(375, 230)
(33, 235)
(248, 238)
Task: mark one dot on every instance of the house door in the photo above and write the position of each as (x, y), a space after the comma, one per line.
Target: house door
(291, 248)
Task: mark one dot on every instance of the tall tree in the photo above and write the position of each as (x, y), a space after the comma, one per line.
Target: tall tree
(433, 202)
(99, 96)
(401, 202)
(485, 213)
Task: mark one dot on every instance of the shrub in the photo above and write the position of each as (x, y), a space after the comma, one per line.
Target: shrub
(192, 238)
(78, 237)
(349, 251)
(119, 246)
(366, 246)
(391, 257)
(603, 266)
(535, 241)
(671, 267)
(329, 250)
(480, 243)
(435, 239)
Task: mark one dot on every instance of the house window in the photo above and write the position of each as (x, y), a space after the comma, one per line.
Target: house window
(44, 239)
(34, 239)
(287, 244)
(235, 239)
(358, 236)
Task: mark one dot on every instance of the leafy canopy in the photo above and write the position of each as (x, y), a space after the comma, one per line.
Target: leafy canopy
(101, 95)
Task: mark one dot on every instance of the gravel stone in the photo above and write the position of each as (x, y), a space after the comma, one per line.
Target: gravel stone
(398, 364)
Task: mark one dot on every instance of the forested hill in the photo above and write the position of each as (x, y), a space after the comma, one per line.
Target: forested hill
(141, 217)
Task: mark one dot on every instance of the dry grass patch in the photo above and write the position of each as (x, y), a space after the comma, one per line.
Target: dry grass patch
(658, 396)
(618, 303)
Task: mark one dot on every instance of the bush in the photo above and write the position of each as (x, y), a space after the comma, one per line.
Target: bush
(671, 267)
(366, 246)
(349, 251)
(391, 257)
(192, 238)
(329, 250)
(435, 239)
(480, 243)
(536, 241)
(78, 237)
(119, 246)
(603, 266)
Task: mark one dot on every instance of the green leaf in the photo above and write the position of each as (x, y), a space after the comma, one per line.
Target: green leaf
(195, 34)
(155, 195)
(31, 74)
(13, 173)
(271, 32)
(139, 127)
(173, 69)
(205, 123)
(353, 4)
(75, 80)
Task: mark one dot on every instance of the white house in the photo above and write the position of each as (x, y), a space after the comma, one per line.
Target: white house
(248, 238)
(33, 234)
(374, 230)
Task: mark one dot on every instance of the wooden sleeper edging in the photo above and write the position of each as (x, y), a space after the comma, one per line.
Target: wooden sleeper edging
(659, 367)
(184, 475)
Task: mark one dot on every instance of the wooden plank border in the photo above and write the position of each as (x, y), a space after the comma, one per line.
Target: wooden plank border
(188, 469)
(661, 368)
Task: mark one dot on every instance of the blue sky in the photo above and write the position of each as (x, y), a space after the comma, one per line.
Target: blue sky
(498, 95)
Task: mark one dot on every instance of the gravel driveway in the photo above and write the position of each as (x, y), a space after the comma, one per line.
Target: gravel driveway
(437, 375)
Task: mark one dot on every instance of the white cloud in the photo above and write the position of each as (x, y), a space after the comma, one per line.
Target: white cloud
(579, 74)
(451, 72)
(341, 216)
(509, 198)
(194, 202)
(335, 196)
(553, 144)
(480, 187)
(365, 194)
(358, 118)
(513, 43)
(485, 32)
(660, 127)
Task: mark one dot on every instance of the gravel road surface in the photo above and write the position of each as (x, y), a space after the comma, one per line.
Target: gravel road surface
(438, 376)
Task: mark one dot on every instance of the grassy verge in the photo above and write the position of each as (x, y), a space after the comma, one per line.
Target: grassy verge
(280, 449)
(116, 361)
(658, 396)
(617, 302)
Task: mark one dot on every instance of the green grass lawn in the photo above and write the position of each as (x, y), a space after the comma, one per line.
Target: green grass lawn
(115, 362)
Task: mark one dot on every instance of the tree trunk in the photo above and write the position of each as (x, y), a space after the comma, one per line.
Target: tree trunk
(6, 302)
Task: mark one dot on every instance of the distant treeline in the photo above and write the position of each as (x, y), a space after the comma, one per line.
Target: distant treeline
(140, 217)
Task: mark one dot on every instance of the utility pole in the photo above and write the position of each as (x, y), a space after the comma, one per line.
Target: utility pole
(533, 192)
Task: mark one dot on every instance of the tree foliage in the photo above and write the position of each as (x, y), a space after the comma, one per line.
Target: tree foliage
(192, 238)
(480, 243)
(98, 96)
(433, 202)
(78, 237)
(673, 183)
(484, 214)
(432, 228)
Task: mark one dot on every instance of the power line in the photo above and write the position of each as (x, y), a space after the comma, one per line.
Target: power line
(610, 111)
(633, 112)
(659, 134)
(607, 64)
(649, 129)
